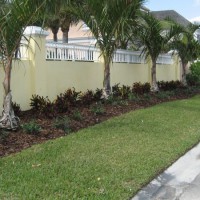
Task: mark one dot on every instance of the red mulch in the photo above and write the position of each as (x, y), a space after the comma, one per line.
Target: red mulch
(15, 141)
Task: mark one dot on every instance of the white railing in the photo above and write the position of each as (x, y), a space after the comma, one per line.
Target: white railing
(22, 52)
(57, 51)
(74, 52)
(127, 56)
(165, 59)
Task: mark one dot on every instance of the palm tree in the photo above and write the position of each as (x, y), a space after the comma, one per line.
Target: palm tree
(186, 47)
(52, 19)
(15, 15)
(108, 22)
(154, 36)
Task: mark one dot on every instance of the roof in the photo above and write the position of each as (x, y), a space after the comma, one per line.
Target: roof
(161, 15)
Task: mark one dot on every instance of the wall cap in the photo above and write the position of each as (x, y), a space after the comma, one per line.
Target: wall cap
(35, 30)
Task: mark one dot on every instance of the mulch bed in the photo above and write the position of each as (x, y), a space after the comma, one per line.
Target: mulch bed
(15, 141)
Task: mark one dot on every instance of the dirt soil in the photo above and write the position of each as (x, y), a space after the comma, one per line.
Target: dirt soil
(15, 141)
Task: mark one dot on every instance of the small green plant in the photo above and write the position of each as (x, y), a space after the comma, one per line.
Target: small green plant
(110, 100)
(31, 127)
(147, 96)
(63, 123)
(98, 109)
(133, 97)
(162, 95)
(122, 102)
(3, 135)
(77, 115)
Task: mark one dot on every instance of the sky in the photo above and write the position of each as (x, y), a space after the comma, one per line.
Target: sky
(189, 9)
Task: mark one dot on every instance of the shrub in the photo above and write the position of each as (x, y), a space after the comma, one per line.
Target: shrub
(63, 123)
(31, 127)
(67, 99)
(16, 108)
(169, 85)
(43, 105)
(87, 97)
(193, 78)
(139, 88)
(116, 90)
(122, 91)
(97, 109)
(125, 91)
(98, 94)
(146, 87)
(37, 102)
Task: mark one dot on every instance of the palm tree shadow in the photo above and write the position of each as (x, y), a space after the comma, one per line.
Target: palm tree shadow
(157, 189)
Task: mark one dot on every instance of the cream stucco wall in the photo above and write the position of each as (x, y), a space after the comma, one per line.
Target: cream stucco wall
(127, 74)
(36, 75)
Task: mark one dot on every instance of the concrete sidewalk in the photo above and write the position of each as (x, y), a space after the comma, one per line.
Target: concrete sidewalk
(181, 181)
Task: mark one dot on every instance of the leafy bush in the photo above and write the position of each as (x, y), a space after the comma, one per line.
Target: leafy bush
(125, 91)
(169, 85)
(98, 109)
(67, 99)
(77, 115)
(37, 102)
(43, 105)
(16, 108)
(193, 78)
(98, 94)
(31, 127)
(139, 88)
(116, 90)
(122, 92)
(87, 97)
(63, 123)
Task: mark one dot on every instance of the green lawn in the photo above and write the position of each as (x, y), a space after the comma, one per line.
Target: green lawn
(110, 161)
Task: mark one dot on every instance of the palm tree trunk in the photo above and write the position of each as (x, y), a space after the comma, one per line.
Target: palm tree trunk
(65, 35)
(154, 85)
(106, 81)
(65, 25)
(184, 65)
(55, 37)
(8, 119)
(54, 30)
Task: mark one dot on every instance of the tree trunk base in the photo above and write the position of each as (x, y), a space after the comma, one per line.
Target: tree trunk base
(8, 120)
(154, 88)
(105, 94)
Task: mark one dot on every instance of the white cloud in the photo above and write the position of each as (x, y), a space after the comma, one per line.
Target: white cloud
(196, 19)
